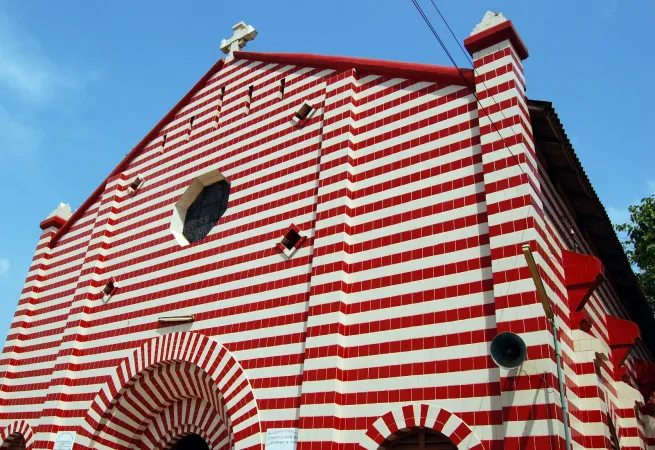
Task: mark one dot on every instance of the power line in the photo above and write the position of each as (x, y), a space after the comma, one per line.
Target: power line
(471, 88)
(569, 219)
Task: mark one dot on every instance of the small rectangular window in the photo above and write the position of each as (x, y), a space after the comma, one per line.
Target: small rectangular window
(291, 239)
(136, 183)
(109, 288)
(250, 89)
(304, 113)
(191, 120)
(282, 82)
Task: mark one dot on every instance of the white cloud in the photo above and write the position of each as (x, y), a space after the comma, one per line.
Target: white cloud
(651, 187)
(622, 215)
(4, 267)
(618, 215)
(18, 139)
(25, 71)
(609, 7)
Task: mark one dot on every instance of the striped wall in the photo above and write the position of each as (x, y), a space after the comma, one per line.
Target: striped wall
(413, 209)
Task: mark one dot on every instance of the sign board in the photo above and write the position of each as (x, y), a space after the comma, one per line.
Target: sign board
(64, 440)
(281, 438)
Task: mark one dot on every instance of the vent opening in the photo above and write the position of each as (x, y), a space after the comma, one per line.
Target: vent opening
(109, 288)
(138, 181)
(291, 239)
(304, 112)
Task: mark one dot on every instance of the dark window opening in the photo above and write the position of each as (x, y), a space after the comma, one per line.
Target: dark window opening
(250, 89)
(291, 239)
(136, 183)
(282, 82)
(304, 111)
(191, 442)
(191, 120)
(164, 140)
(222, 92)
(109, 288)
(205, 211)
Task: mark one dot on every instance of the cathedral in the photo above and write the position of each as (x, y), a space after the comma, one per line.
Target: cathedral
(331, 253)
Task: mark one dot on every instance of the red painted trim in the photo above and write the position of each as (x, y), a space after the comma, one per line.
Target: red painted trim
(136, 150)
(622, 333)
(54, 221)
(583, 273)
(494, 35)
(415, 71)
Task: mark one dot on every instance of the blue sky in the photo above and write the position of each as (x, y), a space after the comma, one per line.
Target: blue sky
(82, 82)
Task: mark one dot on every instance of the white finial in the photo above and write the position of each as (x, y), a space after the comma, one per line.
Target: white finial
(242, 34)
(489, 20)
(63, 211)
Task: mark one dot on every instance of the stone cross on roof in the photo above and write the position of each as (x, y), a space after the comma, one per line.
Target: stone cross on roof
(242, 34)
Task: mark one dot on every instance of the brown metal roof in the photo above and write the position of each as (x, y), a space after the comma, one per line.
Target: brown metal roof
(563, 168)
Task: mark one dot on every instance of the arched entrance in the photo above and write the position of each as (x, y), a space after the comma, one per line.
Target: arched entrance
(418, 439)
(191, 442)
(420, 426)
(172, 386)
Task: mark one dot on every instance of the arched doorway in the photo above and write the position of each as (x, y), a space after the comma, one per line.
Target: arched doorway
(191, 442)
(419, 439)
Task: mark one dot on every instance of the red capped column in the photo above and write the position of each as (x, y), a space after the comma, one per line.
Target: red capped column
(531, 415)
(36, 275)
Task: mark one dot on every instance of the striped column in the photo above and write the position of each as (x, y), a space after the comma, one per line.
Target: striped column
(20, 326)
(89, 286)
(529, 399)
(325, 341)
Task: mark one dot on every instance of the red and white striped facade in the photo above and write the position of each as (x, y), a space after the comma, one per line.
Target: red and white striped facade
(414, 200)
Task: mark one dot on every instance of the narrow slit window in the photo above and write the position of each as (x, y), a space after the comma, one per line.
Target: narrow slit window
(250, 89)
(164, 140)
(222, 92)
(282, 82)
(191, 121)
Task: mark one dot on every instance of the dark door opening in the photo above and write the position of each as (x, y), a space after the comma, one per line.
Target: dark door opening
(191, 442)
(419, 440)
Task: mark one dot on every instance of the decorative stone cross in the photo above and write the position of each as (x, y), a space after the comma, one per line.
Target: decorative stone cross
(242, 34)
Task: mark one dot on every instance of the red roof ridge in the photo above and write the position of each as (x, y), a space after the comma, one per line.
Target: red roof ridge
(417, 71)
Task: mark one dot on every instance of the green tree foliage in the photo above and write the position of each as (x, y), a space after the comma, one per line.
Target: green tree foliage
(640, 244)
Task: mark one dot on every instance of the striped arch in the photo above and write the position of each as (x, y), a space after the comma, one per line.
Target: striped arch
(185, 417)
(421, 415)
(13, 431)
(124, 408)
